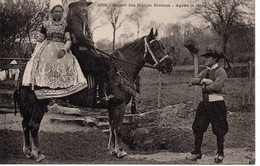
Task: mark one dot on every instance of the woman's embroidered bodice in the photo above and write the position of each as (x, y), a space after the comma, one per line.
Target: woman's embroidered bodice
(55, 31)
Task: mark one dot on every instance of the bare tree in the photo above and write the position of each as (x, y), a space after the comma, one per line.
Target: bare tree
(137, 16)
(125, 37)
(95, 18)
(112, 14)
(222, 15)
(155, 25)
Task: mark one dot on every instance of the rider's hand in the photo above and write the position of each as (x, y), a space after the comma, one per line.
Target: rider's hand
(206, 81)
(61, 53)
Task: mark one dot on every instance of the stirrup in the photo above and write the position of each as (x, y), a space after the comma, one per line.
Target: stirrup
(107, 98)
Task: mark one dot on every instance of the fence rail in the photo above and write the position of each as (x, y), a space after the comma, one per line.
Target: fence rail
(14, 58)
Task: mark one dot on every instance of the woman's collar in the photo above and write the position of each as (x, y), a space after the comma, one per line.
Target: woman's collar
(60, 22)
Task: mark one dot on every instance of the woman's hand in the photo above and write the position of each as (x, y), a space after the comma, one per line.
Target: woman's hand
(61, 53)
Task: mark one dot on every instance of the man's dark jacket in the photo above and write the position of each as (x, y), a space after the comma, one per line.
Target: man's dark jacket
(83, 49)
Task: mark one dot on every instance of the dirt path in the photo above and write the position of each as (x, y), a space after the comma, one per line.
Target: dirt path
(232, 156)
(11, 122)
(69, 143)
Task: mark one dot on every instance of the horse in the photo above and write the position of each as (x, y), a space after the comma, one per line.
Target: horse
(126, 62)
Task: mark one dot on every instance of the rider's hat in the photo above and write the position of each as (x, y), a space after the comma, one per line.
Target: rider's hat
(81, 2)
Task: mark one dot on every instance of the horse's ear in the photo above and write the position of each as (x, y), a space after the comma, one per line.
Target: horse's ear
(151, 33)
(156, 33)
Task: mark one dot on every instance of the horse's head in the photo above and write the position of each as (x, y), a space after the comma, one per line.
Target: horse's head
(155, 53)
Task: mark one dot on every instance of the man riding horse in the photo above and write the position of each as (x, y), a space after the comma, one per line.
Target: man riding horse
(83, 46)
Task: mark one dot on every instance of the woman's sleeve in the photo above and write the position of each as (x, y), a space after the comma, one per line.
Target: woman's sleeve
(67, 35)
(41, 34)
(67, 40)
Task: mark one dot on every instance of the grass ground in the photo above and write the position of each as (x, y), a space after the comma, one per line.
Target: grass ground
(175, 90)
(81, 147)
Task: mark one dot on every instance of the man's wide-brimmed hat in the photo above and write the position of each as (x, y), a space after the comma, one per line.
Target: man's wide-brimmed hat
(212, 52)
(81, 2)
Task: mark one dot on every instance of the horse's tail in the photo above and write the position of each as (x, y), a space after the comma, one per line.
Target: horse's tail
(15, 97)
(133, 106)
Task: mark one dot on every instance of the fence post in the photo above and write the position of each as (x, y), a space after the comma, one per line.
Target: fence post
(243, 93)
(250, 82)
(196, 72)
(159, 90)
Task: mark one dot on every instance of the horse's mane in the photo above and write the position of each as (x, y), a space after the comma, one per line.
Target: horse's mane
(135, 45)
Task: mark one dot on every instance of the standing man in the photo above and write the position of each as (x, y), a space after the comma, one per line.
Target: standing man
(83, 45)
(212, 108)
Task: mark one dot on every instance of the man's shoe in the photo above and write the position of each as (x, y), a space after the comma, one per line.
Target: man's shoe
(219, 158)
(194, 157)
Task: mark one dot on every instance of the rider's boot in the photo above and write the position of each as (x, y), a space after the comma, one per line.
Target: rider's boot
(101, 95)
(106, 97)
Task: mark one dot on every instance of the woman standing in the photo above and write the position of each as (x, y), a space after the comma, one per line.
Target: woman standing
(53, 71)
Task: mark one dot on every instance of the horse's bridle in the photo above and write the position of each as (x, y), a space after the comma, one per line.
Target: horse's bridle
(149, 50)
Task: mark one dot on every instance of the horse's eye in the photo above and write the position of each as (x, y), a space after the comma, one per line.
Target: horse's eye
(162, 45)
(155, 44)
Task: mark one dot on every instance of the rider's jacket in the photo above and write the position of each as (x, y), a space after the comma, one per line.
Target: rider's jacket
(80, 34)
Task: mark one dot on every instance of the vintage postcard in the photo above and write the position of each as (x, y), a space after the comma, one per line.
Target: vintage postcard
(127, 82)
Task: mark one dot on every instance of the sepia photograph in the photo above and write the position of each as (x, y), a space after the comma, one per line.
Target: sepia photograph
(146, 82)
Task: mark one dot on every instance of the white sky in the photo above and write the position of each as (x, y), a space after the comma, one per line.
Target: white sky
(162, 15)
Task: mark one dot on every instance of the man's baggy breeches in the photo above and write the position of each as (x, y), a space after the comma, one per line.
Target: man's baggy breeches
(214, 113)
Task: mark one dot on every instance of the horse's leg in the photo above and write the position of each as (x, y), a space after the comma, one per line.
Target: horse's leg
(37, 115)
(26, 138)
(111, 142)
(25, 106)
(36, 146)
(118, 116)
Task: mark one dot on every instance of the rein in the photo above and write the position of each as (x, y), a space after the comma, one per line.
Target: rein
(152, 67)
(147, 49)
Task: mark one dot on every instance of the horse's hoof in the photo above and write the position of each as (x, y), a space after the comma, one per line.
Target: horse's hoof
(28, 156)
(112, 151)
(28, 153)
(40, 158)
(194, 157)
(121, 154)
(219, 158)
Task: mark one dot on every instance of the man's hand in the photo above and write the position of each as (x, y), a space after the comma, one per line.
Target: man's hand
(61, 54)
(206, 81)
(195, 81)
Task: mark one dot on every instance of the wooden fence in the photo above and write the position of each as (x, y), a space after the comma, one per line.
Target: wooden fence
(186, 68)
